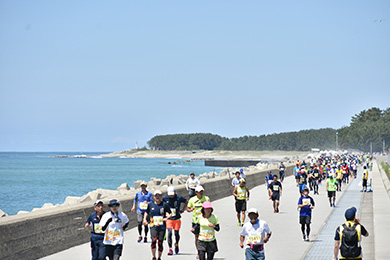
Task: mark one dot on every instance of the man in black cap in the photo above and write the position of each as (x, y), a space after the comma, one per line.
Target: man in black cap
(97, 246)
(348, 237)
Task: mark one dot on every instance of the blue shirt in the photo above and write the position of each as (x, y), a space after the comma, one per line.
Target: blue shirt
(148, 197)
(156, 213)
(174, 204)
(306, 210)
(94, 221)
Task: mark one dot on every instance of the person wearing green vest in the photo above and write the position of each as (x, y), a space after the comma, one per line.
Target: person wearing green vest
(331, 188)
(241, 194)
(195, 206)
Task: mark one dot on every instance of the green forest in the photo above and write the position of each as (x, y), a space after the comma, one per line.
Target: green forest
(369, 127)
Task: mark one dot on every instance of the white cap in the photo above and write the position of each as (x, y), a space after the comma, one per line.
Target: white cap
(253, 210)
(97, 202)
(199, 188)
(157, 192)
(171, 190)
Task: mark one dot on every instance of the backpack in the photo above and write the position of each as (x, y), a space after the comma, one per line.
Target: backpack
(350, 242)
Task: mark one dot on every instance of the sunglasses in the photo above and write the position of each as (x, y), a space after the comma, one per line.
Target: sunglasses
(115, 205)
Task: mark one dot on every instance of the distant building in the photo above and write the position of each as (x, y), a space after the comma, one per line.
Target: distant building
(315, 149)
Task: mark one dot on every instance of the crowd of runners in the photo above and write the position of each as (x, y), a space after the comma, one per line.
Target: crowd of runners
(161, 215)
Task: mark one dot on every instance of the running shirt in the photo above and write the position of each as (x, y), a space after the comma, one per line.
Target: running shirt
(269, 178)
(174, 204)
(196, 203)
(254, 233)
(331, 184)
(302, 176)
(282, 168)
(275, 187)
(339, 174)
(93, 221)
(143, 200)
(206, 233)
(157, 213)
(236, 182)
(365, 174)
(307, 201)
(113, 235)
(192, 183)
(241, 192)
(316, 174)
(296, 170)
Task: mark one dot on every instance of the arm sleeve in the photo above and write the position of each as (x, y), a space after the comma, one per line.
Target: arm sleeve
(312, 201)
(217, 227)
(363, 231)
(135, 198)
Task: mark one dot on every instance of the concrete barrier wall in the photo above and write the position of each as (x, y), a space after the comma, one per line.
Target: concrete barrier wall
(45, 232)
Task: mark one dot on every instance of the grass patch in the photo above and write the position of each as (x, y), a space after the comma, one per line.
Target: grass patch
(386, 168)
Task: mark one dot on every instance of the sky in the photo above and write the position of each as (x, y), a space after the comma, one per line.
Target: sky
(105, 75)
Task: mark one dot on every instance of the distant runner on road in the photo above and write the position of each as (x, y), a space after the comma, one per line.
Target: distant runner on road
(275, 191)
(97, 246)
(142, 199)
(282, 170)
(191, 184)
(241, 194)
(305, 204)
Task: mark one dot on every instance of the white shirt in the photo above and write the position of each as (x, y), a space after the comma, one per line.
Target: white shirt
(254, 234)
(192, 183)
(236, 182)
(113, 235)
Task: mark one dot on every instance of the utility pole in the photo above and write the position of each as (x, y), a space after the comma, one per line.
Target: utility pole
(383, 146)
(337, 135)
(371, 147)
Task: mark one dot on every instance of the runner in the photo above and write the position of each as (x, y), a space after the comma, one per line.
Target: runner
(310, 175)
(296, 170)
(236, 180)
(241, 194)
(113, 223)
(156, 211)
(174, 201)
(345, 170)
(331, 188)
(97, 246)
(364, 179)
(316, 179)
(268, 179)
(281, 169)
(242, 173)
(302, 176)
(348, 237)
(206, 224)
(305, 204)
(275, 188)
(143, 197)
(191, 184)
(256, 233)
(339, 178)
(195, 206)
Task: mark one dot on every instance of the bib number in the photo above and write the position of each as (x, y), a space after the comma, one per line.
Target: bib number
(207, 234)
(158, 221)
(255, 239)
(143, 205)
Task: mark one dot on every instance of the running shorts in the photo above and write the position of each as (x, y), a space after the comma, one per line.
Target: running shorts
(276, 196)
(240, 205)
(331, 193)
(113, 250)
(140, 217)
(157, 233)
(208, 246)
(304, 220)
(196, 232)
(174, 224)
(364, 183)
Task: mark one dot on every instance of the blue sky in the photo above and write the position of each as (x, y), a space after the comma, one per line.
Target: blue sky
(103, 75)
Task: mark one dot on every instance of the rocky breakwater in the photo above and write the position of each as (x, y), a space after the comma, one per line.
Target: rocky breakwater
(53, 228)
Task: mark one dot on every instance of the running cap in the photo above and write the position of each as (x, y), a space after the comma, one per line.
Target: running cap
(306, 188)
(97, 202)
(350, 213)
(241, 170)
(199, 188)
(253, 210)
(113, 202)
(157, 192)
(144, 183)
(171, 190)
(207, 205)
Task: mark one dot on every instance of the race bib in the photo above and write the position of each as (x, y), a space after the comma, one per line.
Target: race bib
(198, 211)
(173, 210)
(112, 235)
(255, 239)
(276, 188)
(316, 175)
(158, 221)
(331, 185)
(97, 229)
(143, 205)
(206, 234)
(302, 179)
(305, 201)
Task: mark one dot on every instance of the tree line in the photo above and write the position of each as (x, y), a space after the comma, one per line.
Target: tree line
(369, 127)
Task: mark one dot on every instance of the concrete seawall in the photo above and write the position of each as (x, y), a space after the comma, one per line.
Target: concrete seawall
(45, 232)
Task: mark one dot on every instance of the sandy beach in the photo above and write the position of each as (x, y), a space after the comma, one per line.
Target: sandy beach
(225, 155)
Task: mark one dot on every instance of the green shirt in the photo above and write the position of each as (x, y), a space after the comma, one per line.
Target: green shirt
(331, 184)
(196, 203)
(207, 233)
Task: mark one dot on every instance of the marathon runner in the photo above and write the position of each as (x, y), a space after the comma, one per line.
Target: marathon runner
(191, 184)
(331, 188)
(241, 194)
(275, 191)
(143, 197)
(97, 246)
(236, 180)
(302, 176)
(305, 204)
(174, 201)
(282, 170)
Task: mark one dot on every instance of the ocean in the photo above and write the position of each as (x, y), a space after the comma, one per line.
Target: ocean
(29, 180)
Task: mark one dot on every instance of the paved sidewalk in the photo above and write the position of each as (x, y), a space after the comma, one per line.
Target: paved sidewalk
(285, 243)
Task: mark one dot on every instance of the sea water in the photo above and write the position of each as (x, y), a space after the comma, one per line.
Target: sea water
(29, 180)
